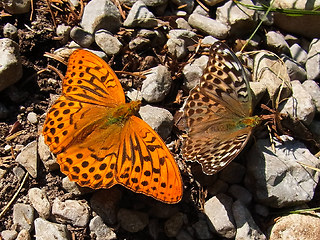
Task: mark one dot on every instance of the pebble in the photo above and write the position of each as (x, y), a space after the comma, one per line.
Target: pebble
(28, 158)
(17, 7)
(100, 230)
(10, 63)
(48, 159)
(218, 186)
(75, 212)
(240, 193)
(183, 24)
(246, 226)
(219, 209)
(313, 60)
(45, 230)
(209, 26)
(73, 187)
(159, 119)
(163, 211)
(232, 174)
(140, 16)
(300, 105)
(157, 84)
(314, 90)
(63, 32)
(295, 70)
(23, 216)
(40, 202)
(18, 172)
(32, 117)
(177, 48)
(299, 54)
(275, 178)
(81, 37)
(132, 221)
(173, 225)
(202, 230)
(277, 43)
(107, 42)
(8, 235)
(296, 226)
(139, 44)
(184, 235)
(23, 235)
(99, 14)
(10, 31)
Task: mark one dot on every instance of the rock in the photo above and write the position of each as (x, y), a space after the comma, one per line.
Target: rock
(173, 225)
(258, 89)
(314, 90)
(277, 43)
(298, 54)
(232, 174)
(161, 210)
(219, 209)
(23, 215)
(212, 2)
(217, 187)
(188, 36)
(246, 227)
(10, 63)
(184, 235)
(154, 228)
(272, 73)
(300, 105)
(132, 221)
(71, 211)
(45, 230)
(202, 230)
(139, 44)
(149, 3)
(240, 193)
(100, 230)
(100, 14)
(10, 31)
(23, 235)
(8, 235)
(47, 158)
(240, 19)
(140, 16)
(63, 32)
(209, 26)
(276, 179)
(105, 204)
(73, 187)
(295, 70)
(183, 24)
(40, 202)
(313, 60)
(261, 210)
(296, 226)
(18, 172)
(28, 158)
(159, 119)
(156, 85)
(193, 71)
(177, 48)
(16, 7)
(32, 117)
(81, 37)
(108, 43)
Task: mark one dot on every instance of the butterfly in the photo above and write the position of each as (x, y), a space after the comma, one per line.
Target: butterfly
(218, 112)
(98, 140)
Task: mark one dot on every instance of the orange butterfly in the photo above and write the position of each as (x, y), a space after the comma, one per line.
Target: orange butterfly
(98, 140)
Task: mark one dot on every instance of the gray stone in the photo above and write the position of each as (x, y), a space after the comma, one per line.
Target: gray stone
(18, 172)
(10, 63)
(156, 85)
(202, 230)
(132, 221)
(81, 37)
(28, 158)
(300, 105)
(209, 26)
(184, 235)
(8, 235)
(218, 210)
(217, 187)
(277, 42)
(161, 210)
(159, 119)
(246, 227)
(240, 19)
(10, 31)
(193, 71)
(188, 36)
(276, 179)
(173, 225)
(140, 16)
(295, 70)
(108, 43)
(47, 158)
(314, 90)
(23, 216)
(240, 193)
(183, 24)
(212, 2)
(177, 48)
(32, 117)
(139, 44)
(23, 235)
(298, 54)
(40, 202)
(105, 204)
(261, 210)
(71, 211)
(45, 230)
(150, 3)
(63, 32)
(16, 7)
(101, 14)
(73, 187)
(313, 60)
(100, 230)
(232, 174)
(259, 90)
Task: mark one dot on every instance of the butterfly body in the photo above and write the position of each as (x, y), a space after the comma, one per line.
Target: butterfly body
(100, 142)
(218, 112)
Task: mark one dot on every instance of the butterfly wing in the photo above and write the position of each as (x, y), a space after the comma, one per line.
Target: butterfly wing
(213, 109)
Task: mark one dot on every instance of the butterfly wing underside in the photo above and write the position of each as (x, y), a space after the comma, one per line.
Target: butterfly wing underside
(212, 110)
